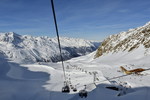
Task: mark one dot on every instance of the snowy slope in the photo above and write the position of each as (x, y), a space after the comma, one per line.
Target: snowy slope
(18, 83)
(126, 41)
(39, 49)
(36, 85)
(79, 72)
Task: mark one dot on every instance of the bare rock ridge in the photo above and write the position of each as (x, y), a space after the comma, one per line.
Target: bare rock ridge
(126, 41)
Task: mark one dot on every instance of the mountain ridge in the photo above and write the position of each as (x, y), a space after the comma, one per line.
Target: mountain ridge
(126, 41)
(38, 49)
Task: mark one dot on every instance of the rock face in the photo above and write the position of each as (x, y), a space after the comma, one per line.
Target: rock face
(38, 49)
(126, 41)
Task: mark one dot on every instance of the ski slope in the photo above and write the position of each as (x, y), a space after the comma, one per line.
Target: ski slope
(79, 72)
(44, 81)
(18, 83)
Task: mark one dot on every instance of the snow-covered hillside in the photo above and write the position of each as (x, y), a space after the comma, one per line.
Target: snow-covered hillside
(126, 41)
(39, 49)
(44, 81)
(16, 82)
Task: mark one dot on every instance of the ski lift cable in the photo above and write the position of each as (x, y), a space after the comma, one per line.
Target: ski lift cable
(57, 32)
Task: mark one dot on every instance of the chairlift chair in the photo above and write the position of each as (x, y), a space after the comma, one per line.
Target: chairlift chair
(74, 89)
(83, 93)
(66, 89)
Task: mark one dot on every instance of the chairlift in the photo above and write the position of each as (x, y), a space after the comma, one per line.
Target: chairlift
(66, 89)
(83, 93)
(74, 89)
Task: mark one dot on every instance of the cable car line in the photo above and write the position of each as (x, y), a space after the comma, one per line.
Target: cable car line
(66, 88)
(57, 32)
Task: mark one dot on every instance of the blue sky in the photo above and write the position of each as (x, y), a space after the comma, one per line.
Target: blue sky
(88, 19)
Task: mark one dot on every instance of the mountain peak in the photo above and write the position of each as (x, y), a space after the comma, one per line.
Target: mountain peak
(9, 37)
(148, 23)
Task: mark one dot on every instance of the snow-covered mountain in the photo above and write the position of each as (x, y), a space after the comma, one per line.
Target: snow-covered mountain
(37, 49)
(126, 41)
(102, 76)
